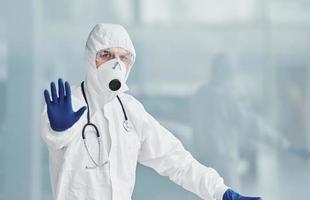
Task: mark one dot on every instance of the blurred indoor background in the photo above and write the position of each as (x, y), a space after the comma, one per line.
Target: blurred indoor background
(231, 79)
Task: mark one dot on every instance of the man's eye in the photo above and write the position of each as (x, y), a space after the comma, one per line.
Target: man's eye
(124, 58)
(104, 55)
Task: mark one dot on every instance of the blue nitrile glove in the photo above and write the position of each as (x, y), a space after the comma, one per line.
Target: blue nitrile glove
(59, 110)
(231, 195)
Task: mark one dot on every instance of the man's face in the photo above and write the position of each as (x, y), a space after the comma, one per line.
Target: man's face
(105, 55)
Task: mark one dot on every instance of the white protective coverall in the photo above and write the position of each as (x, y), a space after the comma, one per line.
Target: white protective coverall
(148, 143)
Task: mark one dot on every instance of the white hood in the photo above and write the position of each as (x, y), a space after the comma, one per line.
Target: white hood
(101, 37)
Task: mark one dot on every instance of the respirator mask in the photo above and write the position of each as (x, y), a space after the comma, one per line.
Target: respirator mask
(111, 75)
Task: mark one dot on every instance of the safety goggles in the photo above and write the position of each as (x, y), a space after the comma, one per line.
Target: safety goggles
(105, 55)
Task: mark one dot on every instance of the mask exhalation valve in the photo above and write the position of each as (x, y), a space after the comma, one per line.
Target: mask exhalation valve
(115, 84)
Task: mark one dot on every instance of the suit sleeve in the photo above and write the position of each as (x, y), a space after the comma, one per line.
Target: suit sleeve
(163, 152)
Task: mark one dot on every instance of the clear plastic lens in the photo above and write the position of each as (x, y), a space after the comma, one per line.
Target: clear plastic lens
(106, 55)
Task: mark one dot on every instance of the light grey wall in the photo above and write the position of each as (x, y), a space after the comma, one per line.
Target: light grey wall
(229, 79)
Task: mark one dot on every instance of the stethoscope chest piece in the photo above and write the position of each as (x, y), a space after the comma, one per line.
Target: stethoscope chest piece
(127, 126)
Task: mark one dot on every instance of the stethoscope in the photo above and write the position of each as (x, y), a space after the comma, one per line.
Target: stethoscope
(126, 126)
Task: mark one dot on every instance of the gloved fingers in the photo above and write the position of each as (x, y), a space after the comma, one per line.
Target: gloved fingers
(68, 91)
(47, 97)
(80, 112)
(54, 93)
(232, 195)
(61, 89)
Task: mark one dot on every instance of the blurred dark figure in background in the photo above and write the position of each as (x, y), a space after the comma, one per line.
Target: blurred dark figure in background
(292, 88)
(221, 128)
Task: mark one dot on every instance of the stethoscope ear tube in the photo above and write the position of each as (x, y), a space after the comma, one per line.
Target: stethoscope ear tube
(85, 98)
(92, 125)
(124, 111)
(126, 124)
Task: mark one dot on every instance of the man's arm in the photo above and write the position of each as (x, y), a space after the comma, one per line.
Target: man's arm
(163, 152)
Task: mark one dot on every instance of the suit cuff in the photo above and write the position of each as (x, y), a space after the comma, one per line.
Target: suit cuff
(220, 192)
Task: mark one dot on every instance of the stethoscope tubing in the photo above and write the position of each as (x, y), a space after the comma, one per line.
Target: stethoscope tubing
(125, 125)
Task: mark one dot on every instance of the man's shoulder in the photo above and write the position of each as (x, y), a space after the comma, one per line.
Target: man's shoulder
(131, 100)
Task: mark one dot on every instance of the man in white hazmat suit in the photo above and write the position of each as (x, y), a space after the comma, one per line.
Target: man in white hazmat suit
(93, 154)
